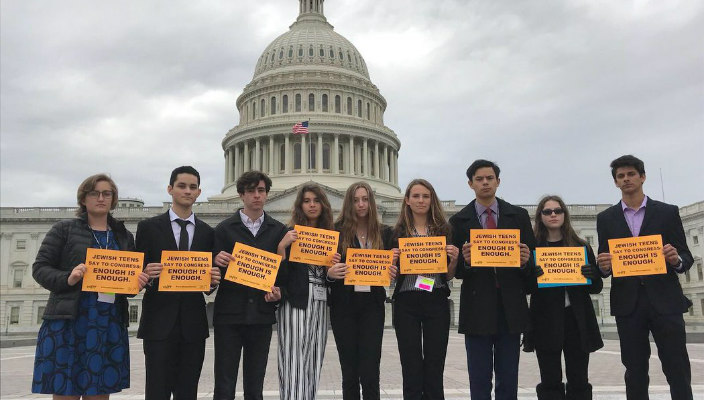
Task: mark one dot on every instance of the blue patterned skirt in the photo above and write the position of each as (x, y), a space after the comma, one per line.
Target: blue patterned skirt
(86, 356)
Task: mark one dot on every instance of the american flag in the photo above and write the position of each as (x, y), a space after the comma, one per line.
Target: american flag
(301, 128)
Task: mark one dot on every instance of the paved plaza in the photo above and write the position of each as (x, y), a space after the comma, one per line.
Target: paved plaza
(605, 372)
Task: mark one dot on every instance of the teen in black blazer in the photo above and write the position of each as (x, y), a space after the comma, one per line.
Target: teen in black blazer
(651, 304)
(562, 318)
(173, 325)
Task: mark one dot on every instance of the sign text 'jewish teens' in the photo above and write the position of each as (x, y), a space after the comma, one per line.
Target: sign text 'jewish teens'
(185, 271)
(422, 255)
(368, 267)
(314, 246)
(641, 255)
(495, 247)
(561, 266)
(253, 267)
(112, 271)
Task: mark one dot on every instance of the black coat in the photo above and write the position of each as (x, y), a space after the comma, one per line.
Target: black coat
(63, 248)
(341, 294)
(161, 311)
(239, 304)
(479, 298)
(664, 291)
(547, 311)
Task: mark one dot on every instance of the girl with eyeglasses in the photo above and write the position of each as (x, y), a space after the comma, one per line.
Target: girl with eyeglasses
(303, 314)
(421, 314)
(357, 312)
(82, 347)
(563, 318)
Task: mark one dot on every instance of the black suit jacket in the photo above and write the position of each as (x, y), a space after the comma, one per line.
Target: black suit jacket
(239, 304)
(547, 309)
(162, 312)
(479, 296)
(664, 290)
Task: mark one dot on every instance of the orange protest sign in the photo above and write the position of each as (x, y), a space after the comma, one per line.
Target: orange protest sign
(495, 247)
(641, 255)
(314, 246)
(422, 255)
(561, 265)
(253, 267)
(185, 271)
(112, 271)
(368, 267)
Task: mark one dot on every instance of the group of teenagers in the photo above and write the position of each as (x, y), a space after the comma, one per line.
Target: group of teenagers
(83, 350)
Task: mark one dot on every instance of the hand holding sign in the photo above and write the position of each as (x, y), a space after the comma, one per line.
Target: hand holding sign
(525, 253)
(76, 274)
(337, 271)
(274, 295)
(604, 261)
(214, 276)
(671, 255)
(153, 270)
(467, 253)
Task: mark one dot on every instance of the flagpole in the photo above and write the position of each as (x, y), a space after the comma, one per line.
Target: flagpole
(310, 152)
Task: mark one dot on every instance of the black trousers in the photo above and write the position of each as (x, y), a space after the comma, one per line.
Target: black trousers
(670, 339)
(230, 341)
(422, 324)
(359, 328)
(172, 366)
(576, 366)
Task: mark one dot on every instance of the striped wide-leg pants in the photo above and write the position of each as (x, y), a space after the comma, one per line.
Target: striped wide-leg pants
(303, 334)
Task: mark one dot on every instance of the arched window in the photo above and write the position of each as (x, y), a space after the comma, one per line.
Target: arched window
(359, 108)
(325, 103)
(281, 53)
(369, 114)
(298, 102)
(349, 106)
(311, 102)
(297, 156)
(321, 52)
(310, 51)
(273, 105)
(337, 104)
(246, 113)
(341, 158)
(371, 162)
(262, 110)
(282, 157)
(290, 52)
(300, 51)
(326, 156)
(284, 104)
(254, 110)
(332, 53)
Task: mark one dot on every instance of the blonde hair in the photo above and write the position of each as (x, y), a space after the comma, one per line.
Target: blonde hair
(346, 222)
(437, 224)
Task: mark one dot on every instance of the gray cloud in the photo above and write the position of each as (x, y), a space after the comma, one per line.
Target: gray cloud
(552, 91)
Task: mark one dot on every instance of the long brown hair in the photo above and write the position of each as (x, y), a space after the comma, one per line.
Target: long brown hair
(437, 224)
(298, 217)
(569, 237)
(346, 222)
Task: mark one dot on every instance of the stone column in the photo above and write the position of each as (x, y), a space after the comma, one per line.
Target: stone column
(304, 155)
(385, 158)
(246, 157)
(365, 158)
(351, 160)
(376, 160)
(319, 156)
(396, 167)
(257, 155)
(271, 156)
(334, 156)
(236, 167)
(227, 166)
(287, 155)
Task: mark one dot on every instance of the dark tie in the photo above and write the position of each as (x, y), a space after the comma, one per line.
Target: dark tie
(490, 223)
(183, 237)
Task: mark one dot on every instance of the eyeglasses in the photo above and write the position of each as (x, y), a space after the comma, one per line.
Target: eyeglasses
(94, 194)
(549, 211)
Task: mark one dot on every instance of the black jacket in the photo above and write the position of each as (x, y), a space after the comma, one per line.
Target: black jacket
(547, 311)
(63, 248)
(341, 294)
(239, 304)
(664, 291)
(162, 311)
(479, 307)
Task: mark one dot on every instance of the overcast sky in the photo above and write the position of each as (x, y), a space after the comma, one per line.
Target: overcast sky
(550, 90)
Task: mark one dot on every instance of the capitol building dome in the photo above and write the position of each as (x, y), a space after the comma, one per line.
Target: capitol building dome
(311, 73)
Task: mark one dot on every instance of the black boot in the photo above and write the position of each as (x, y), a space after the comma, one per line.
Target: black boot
(582, 392)
(553, 392)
